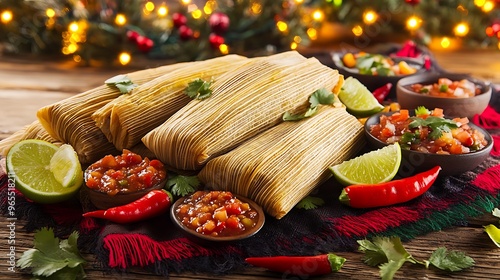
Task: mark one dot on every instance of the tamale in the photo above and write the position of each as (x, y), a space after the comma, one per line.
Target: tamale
(34, 130)
(282, 165)
(70, 121)
(244, 102)
(129, 117)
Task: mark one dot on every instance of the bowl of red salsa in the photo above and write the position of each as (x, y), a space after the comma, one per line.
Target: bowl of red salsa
(118, 180)
(429, 138)
(218, 216)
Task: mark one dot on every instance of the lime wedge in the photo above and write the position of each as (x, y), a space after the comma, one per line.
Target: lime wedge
(358, 100)
(65, 166)
(371, 168)
(28, 163)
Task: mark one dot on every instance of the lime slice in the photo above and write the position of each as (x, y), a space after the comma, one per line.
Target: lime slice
(65, 166)
(358, 100)
(28, 163)
(371, 168)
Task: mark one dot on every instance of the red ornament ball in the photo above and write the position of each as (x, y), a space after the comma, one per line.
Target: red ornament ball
(132, 35)
(179, 19)
(219, 22)
(144, 44)
(413, 2)
(185, 33)
(215, 40)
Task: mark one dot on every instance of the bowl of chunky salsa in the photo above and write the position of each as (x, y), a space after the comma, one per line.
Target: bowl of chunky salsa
(217, 216)
(428, 138)
(121, 179)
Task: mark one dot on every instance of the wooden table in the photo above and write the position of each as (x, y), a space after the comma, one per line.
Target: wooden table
(26, 85)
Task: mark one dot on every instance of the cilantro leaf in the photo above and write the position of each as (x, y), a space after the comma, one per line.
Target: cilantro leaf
(422, 111)
(199, 89)
(383, 249)
(450, 260)
(122, 83)
(388, 269)
(436, 124)
(54, 258)
(180, 185)
(320, 96)
(310, 202)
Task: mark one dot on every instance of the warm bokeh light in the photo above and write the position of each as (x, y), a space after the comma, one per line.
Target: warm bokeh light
(299, 1)
(196, 14)
(312, 33)
(297, 39)
(488, 6)
(6, 16)
(282, 26)
(210, 7)
(73, 27)
(124, 58)
(162, 11)
(120, 19)
(50, 13)
(224, 49)
(370, 17)
(293, 46)
(256, 8)
(149, 6)
(499, 45)
(445, 42)
(413, 23)
(489, 31)
(479, 3)
(357, 30)
(77, 58)
(186, 2)
(461, 29)
(72, 48)
(318, 15)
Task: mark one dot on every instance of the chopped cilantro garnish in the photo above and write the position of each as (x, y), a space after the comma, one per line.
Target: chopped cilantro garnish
(122, 83)
(320, 96)
(199, 89)
(180, 185)
(310, 202)
(422, 111)
(436, 124)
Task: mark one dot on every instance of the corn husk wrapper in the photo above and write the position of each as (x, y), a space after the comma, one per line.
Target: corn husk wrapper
(244, 103)
(34, 130)
(129, 117)
(70, 121)
(282, 165)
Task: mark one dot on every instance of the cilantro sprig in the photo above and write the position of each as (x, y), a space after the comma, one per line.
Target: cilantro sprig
(181, 185)
(199, 89)
(310, 202)
(389, 254)
(122, 83)
(320, 96)
(54, 258)
(436, 124)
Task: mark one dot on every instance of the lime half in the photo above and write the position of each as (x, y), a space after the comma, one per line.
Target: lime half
(358, 100)
(371, 168)
(28, 162)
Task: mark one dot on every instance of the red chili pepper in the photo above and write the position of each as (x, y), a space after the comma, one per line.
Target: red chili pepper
(152, 204)
(300, 265)
(389, 193)
(382, 92)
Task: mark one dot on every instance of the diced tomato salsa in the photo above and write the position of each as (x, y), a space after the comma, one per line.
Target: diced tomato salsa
(448, 88)
(216, 213)
(125, 173)
(454, 136)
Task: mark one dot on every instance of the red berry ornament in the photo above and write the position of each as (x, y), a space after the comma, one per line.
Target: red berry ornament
(215, 40)
(179, 19)
(132, 35)
(219, 22)
(185, 33)
(144, 44)
(413, 2)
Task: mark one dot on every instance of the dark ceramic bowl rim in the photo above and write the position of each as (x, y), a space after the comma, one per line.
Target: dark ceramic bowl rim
(426, 78)
(370, 121)
(199, 236)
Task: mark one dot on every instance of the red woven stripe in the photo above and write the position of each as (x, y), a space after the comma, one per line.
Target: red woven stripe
(489, 180)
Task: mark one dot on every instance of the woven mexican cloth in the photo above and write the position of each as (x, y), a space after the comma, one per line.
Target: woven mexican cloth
(158, 247)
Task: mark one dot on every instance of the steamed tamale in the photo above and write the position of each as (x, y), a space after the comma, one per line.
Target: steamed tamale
(244, 102)
(129, 117)
(32, 131)
(282, 165)
(70, 121)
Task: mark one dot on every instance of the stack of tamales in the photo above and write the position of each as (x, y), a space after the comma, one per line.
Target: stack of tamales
(282, 165)
(244, 103)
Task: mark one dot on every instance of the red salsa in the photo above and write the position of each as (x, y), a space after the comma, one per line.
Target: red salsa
(448, 88)
(429, 132)
(125, 173)
(216, 213)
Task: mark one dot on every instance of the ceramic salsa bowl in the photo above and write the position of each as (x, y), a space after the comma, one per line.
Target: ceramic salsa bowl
(415, 161)
(452, 106)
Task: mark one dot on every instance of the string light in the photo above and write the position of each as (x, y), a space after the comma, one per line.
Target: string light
(186, 2)
(73, 27)
(445, 42)
(413, 23)
(357, 30)
(77, 58)
(318, 15)
(50, 13)
(74, 36)
(120, 19)
(461, 29)
(312, 33)
(224, 49)
(162, 11)
(297, 39)
(370, 17)
(149, 6)
(6, 16)
(210, 7)
(124, 58)
(293, 46)
(479, 3)
(256, 8)
(282, 26)
(488, 6)
(196, 14)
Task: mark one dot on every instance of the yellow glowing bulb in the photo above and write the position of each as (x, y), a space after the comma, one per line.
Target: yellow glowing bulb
(6, 16)
(120, 19)
(445, 43)
(413, 23)
(318, 15)
(256, 8)
(297, 39)
(224, 49)
(293, 46)
(479, 3)
(73, 27)
(282, 26)
(124, 58)
(186, 2)
(162, 11)
(461, 29)
(77, 58)
(357, 30)
(370, 17)
(299, 1)
(50, 13)
(72, 48)
(488, 6)
(196, 14)
(149, 6)
(312, 33)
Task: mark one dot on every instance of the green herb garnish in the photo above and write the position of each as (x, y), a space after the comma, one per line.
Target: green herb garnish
(424, 90)
(320, 96)
(422, 111)
(310, 202)
(180, 185)
(199, 89)
(436, 124)
(389, 254)
(443, 88)
(122, 83)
